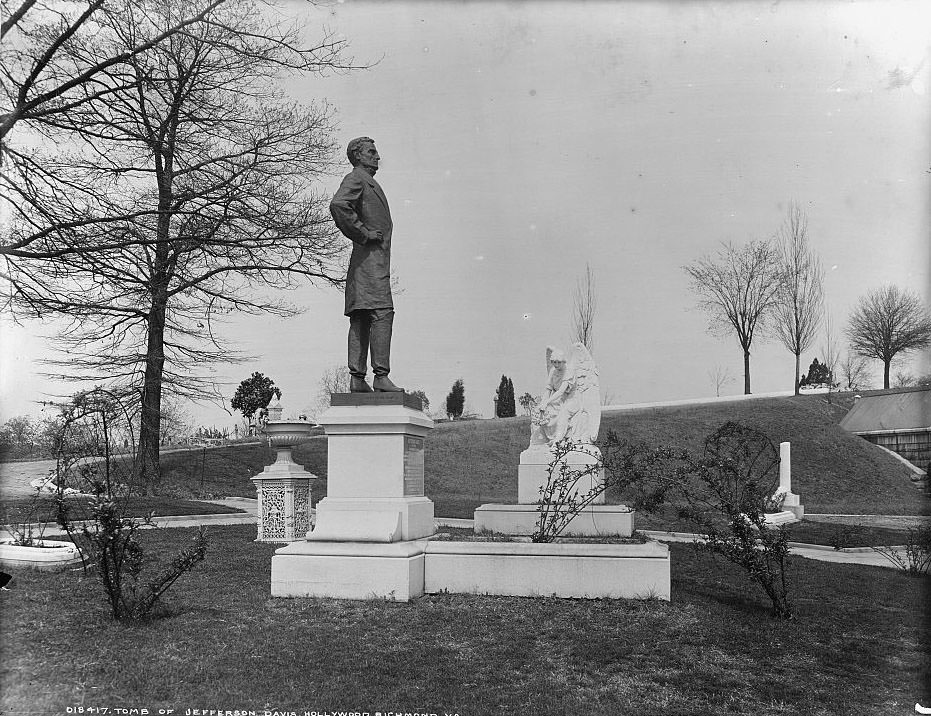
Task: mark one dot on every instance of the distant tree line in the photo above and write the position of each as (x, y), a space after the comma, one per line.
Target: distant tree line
(23, 436)
(775, 287)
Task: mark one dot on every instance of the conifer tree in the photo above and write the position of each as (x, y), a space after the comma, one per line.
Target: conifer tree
(455, 401)
(512, 403)
(505, 406)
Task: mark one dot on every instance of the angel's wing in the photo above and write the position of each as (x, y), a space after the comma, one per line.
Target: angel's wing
(583, 367)
(585, 376)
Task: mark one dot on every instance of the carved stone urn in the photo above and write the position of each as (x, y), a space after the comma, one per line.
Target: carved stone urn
(283, 488)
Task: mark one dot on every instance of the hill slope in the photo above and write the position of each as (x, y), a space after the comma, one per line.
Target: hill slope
(833, 471)
(474, 462)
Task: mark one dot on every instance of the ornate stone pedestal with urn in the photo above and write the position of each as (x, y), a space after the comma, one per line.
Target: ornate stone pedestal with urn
(283, 488)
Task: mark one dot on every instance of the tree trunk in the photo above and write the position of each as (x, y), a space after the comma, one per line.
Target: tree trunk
(746, 372)
(151, 414)
(887, 364)
(798, 358)
(150, 423)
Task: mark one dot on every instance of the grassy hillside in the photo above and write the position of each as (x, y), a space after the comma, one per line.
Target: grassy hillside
(226, 471)
(833, 471)
(474, 462)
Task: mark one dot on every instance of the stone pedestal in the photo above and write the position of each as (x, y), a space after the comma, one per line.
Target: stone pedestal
(283, 488)
(284, 507)
(368, 540)
(597, 519)
(533, 473)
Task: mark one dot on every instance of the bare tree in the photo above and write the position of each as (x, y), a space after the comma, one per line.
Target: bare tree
(584, 303)
(176, 423)
(831, 352)
(39, 84)
(424, 400)
(335, 379)
(527, 403)
(855, 371)
(886, 322)
(720, 376)
(829, 348)
(800, 300)
(202, 175)
(738, 288)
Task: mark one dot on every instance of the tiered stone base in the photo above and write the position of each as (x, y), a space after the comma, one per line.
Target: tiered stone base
(792, 503)
(371, 538)
(523, 569)
(406, 570)
(376, 519)
(350, 570)
(368, 539)
(533, 474)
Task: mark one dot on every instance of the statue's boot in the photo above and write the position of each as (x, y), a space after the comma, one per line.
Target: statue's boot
(383, 384)
(358, 385)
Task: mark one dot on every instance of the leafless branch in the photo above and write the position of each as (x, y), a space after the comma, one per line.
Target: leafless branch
(584, 303)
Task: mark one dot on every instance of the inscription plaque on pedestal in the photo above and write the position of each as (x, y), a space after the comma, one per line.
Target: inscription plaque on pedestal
(413, 466)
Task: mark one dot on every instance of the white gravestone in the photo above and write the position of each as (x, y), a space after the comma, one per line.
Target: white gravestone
(790, 501)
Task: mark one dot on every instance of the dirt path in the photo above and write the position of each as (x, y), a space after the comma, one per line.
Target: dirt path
(898, 522)
(16, 476)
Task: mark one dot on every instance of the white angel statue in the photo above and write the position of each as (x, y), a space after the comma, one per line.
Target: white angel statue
(571, 403)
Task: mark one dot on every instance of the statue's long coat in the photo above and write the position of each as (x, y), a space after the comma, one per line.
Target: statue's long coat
(360, 203)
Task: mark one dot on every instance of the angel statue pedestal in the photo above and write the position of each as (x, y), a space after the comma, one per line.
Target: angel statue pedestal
(561, 468)
(371, 529)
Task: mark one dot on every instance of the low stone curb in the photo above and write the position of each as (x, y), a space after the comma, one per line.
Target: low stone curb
(454, 522)
(236, 517)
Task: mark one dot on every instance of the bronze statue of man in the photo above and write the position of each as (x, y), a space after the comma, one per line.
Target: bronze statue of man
(360, 210)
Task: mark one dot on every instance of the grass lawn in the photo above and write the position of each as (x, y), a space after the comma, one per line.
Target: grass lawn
(807, 531)
(859, 645)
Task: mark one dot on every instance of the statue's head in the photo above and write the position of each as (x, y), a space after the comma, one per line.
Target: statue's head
(557, 359)
(361, 150)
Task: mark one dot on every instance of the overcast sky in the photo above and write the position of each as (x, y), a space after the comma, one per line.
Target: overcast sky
(522, 140)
